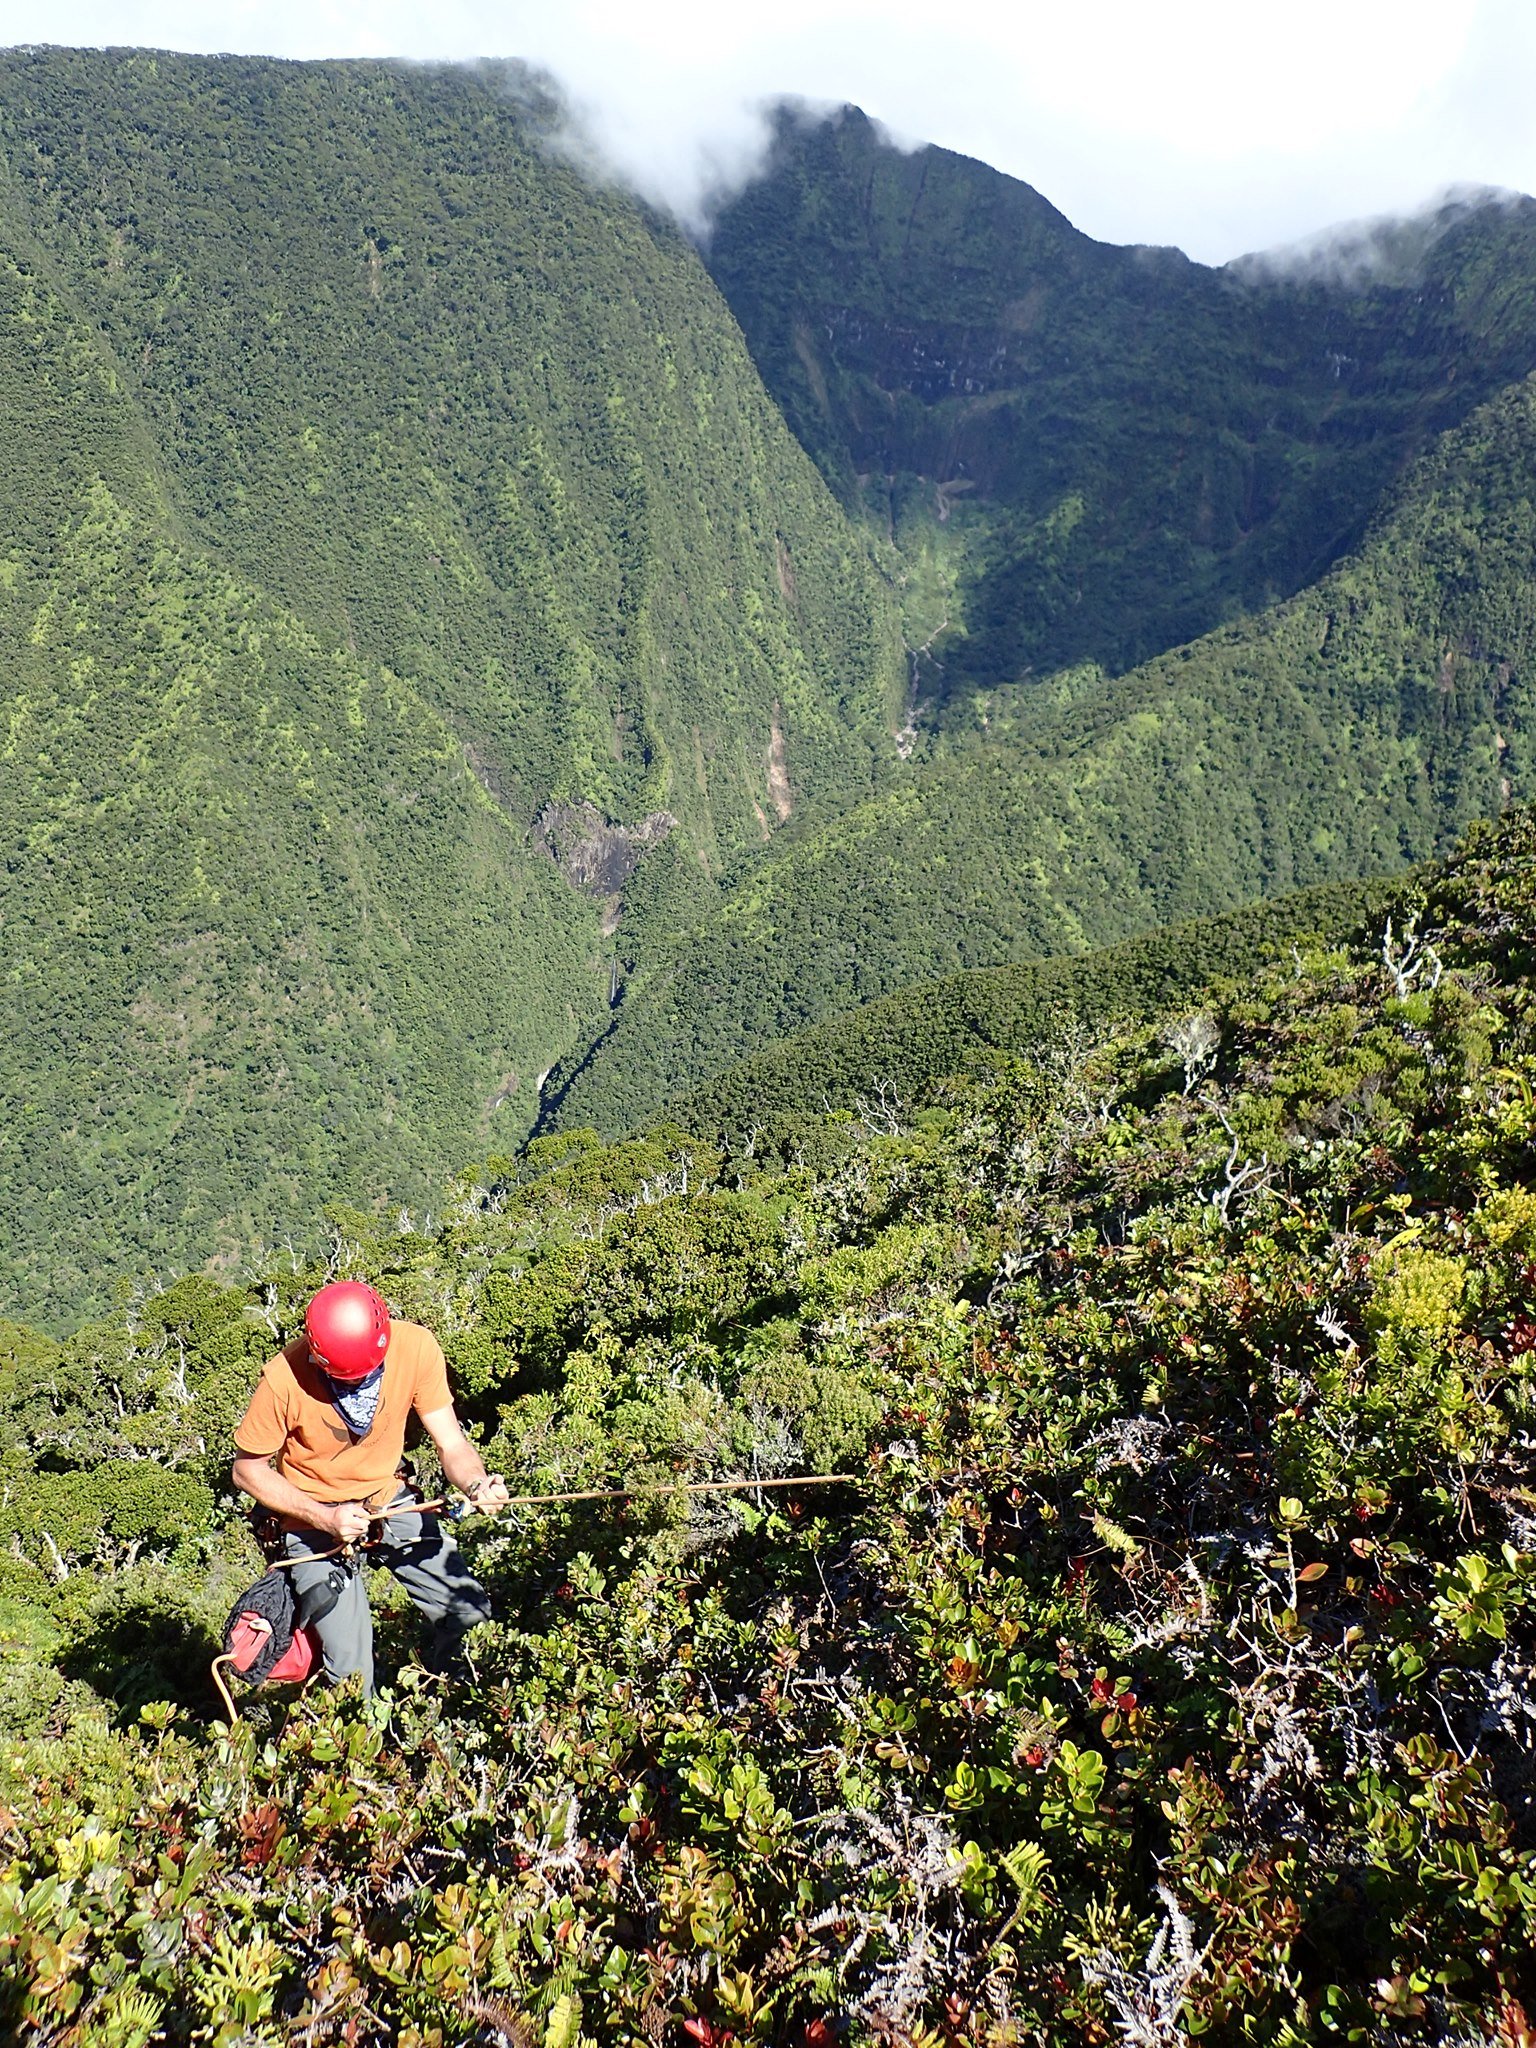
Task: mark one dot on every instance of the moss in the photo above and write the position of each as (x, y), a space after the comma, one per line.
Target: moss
(1507, 1220)
(1416, 1302)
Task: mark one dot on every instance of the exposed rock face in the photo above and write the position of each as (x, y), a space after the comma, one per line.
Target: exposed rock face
(593, 855)
(778, 772)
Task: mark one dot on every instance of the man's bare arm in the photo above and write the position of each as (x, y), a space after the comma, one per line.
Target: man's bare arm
(462, 1464)
(344, 1520)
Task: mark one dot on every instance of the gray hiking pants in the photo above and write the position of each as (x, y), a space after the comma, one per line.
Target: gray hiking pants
(333, 1599)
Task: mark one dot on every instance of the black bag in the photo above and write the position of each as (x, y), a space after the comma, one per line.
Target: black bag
(261, 1627)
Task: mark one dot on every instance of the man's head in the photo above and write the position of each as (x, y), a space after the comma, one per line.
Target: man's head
(347, 1326)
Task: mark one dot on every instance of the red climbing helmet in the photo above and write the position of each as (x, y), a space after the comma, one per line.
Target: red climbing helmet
(347, 1326)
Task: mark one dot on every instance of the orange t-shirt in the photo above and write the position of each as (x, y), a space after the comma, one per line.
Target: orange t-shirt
(293, 1419)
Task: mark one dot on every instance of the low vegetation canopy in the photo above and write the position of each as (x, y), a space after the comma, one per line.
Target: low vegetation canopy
(1165, 1672)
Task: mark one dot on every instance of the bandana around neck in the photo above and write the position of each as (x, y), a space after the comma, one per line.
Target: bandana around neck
(357, 1401)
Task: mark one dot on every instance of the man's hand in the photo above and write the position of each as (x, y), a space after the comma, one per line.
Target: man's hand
(347, 1521)
(255, 1476)
(462, 1464)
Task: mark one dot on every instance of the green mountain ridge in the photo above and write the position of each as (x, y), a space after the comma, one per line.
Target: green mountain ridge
(888, 1058)
(434, 670)
(465, 412)
(377, 489)
(1089, 453)
(1352, 730)
(224, 1001)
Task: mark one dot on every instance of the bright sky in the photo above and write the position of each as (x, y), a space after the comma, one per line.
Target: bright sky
(1219, 125)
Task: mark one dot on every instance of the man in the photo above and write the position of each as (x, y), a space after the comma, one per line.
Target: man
(330, 1410)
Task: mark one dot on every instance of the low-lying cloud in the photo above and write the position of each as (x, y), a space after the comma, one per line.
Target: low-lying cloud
(1392, 249)
(1218, 128)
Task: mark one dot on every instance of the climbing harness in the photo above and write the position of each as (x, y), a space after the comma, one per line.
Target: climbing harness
(265, 1642)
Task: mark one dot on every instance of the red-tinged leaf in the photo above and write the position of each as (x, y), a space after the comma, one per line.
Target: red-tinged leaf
(261, 1831)
(1514, 2029)
(1309, 1572)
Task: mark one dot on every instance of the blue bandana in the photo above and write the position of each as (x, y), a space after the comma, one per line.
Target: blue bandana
(357, 1401)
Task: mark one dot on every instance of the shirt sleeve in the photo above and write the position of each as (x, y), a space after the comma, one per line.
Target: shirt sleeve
(263, 1429)
(432, 1390)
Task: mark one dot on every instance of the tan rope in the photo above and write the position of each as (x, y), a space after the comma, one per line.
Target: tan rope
(529, 1500)
(525, 1500)
(405, 1507)
(218, 1679)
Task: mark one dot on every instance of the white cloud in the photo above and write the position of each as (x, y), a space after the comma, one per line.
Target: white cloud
(1217, 126)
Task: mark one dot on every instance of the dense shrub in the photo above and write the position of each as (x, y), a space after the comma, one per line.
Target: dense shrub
(1166, 1674)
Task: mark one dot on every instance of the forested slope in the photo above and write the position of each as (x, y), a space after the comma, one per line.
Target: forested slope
(374, 481)
(1356, 728)
(264, 936)
(1086, 452)
(888, 1058)
(1164, 1673)
(460, 408)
